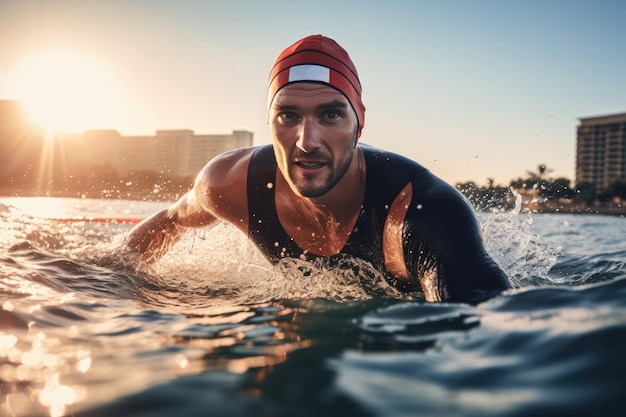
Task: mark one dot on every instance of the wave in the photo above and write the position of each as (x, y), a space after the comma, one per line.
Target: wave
(221, 266)
(214, 326)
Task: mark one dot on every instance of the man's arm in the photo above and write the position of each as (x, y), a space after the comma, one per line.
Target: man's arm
(154, 236)
(443, 248)
(219, 193)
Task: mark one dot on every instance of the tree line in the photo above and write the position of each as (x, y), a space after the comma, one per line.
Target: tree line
(550, 194)
(101, 181)
(104, 181)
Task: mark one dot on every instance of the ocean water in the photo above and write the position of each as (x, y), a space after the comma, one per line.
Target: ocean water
(213, 330)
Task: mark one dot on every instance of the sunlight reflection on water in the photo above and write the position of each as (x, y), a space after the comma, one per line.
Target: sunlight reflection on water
(35, 365)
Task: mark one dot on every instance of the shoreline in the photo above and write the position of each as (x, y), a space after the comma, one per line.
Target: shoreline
(608, 209)
(605, 211)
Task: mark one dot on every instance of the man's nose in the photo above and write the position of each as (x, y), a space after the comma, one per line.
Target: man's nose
(309, 137)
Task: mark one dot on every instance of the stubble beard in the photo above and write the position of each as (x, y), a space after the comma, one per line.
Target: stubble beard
(312, 189)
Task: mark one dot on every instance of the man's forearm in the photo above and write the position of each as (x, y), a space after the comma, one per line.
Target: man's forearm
(153, 237)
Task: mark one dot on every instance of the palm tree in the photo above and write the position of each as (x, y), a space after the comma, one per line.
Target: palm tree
(542, 169)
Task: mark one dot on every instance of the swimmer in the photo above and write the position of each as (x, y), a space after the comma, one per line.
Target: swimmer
(318, 192)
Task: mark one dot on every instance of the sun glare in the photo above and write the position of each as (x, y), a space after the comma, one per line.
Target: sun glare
(66, 91)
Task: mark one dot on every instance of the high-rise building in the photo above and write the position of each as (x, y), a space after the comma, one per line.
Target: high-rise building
(601, 150)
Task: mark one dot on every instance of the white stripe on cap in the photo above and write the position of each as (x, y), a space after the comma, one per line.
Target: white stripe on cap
(309, 73)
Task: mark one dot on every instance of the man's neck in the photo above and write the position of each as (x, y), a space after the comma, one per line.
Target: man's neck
(322, 225)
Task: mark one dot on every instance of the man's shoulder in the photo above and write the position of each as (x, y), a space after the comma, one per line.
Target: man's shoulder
(227, 170)
(234, 156)
(387, 158)
(395, 167)
(228, 163)
(221, 185)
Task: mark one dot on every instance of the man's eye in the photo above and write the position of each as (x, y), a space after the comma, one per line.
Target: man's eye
(332, 115)
(287, 115)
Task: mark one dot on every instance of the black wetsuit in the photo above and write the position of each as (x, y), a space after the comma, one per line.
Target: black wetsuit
(443, 249)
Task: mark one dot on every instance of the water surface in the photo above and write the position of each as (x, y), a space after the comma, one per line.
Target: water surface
(212, 329)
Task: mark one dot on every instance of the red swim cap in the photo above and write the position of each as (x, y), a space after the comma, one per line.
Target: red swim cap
(317, 58)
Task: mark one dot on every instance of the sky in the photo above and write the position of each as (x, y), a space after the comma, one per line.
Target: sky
(473, 90)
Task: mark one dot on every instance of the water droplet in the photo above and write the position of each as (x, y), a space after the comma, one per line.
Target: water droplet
(270, 185)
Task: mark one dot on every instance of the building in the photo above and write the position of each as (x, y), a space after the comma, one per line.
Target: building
(601, 150)
(33, 160)
(174, 153)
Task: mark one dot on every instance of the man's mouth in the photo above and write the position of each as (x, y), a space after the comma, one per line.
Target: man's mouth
(309, 164)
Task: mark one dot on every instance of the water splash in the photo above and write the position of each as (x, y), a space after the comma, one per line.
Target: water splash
(520, 252)
(220, 266)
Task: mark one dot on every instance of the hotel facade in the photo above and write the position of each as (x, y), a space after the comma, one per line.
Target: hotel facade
(173, 153)
(601, 150)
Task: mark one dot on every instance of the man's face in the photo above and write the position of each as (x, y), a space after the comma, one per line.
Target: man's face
(314, 131)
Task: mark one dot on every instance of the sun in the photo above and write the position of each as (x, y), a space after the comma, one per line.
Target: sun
(66, 91)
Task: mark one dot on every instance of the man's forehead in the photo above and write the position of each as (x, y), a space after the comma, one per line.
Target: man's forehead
(313, 93)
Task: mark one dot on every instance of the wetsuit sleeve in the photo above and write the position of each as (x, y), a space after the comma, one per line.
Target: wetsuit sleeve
(443, 247)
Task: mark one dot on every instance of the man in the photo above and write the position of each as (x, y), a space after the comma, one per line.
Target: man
(317, 193)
